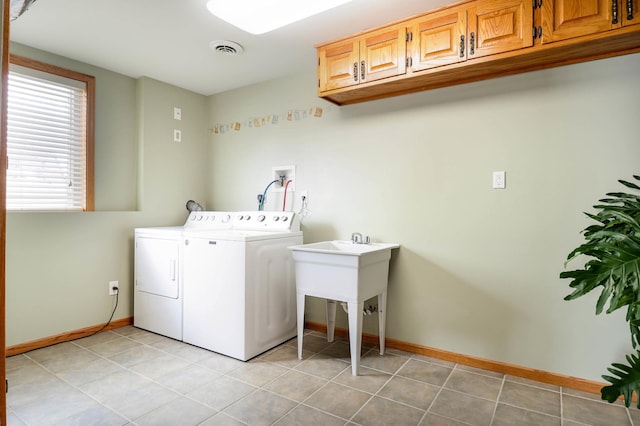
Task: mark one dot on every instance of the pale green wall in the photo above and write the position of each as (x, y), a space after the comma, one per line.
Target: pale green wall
(59, 264)
(478, 269)
(115, 137)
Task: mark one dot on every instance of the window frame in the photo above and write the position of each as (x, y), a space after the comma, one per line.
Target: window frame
(90, 85)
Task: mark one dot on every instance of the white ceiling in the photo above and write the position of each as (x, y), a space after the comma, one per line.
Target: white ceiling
(168, 40)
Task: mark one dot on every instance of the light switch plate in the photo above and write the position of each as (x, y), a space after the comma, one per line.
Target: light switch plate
(499, 180)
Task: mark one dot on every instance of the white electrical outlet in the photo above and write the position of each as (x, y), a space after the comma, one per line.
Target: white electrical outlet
(177, 135)
(112, 285)
(177, 113)
(499, 181)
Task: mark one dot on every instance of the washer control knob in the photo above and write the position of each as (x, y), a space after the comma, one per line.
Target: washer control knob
(226, 218)
(247, 217)
(285, 218)
(276, 218)
(240, 217)
(261, 218)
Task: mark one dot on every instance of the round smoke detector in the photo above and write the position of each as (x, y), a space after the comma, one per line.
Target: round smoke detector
(226, 47)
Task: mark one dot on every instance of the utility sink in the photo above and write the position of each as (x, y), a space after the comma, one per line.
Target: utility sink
(343, 247)
(348, 272)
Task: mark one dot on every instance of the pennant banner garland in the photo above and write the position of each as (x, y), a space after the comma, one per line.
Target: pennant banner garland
(269, 120)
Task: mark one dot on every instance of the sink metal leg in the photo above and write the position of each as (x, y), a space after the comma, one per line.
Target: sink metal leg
(382, 319)
(355, 334)
(300, 318)
(331, 319)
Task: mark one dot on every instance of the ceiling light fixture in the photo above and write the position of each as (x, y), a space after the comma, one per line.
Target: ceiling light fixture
(261, 16)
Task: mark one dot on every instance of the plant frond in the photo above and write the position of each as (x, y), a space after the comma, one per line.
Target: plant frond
(625, 380)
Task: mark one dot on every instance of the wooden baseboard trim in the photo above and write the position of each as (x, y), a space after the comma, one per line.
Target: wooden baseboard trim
(64, 337)
(485, 364)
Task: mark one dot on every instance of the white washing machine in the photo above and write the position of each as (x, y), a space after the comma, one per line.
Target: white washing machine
(157, 302)
(239, 287)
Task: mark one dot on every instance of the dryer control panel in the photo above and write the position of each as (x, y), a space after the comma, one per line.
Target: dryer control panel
(209, 220)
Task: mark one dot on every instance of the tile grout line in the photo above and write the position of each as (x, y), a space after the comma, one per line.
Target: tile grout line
(127, 368)
(495, 407)
(392, 375)
(300, 403)
(561, 405)
(57, 377)
(428, 410)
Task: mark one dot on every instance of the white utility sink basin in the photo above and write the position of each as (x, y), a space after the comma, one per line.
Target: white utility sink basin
(343, 247)
(345, 271)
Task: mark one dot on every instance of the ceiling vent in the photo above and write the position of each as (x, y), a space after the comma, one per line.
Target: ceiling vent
(226, 47)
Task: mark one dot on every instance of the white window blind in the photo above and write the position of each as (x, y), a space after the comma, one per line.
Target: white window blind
(46, 134)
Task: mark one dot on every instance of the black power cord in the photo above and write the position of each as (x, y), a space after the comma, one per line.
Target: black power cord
(117, 291)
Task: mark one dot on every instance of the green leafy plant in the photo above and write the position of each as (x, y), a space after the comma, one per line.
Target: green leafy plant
(613, 250)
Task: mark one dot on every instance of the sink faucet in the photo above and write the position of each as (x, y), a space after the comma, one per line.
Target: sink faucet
(356, 238)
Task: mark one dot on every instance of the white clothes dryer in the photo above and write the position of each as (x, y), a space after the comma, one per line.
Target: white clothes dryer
(157, 301)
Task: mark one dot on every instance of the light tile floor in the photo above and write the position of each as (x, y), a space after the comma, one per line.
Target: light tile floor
(129, 376)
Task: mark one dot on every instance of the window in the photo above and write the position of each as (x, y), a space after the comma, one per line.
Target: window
(50, 116)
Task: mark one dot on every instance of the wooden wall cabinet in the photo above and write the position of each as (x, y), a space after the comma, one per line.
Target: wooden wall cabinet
(469, 31)
(474, 40)
(565, 19)
(369, 57)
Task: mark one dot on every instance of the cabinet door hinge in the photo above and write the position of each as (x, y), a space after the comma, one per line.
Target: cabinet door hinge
(614, 11)
(318, 83)
(537, 32)
(537, 4)
(409, 61)
(409, 37)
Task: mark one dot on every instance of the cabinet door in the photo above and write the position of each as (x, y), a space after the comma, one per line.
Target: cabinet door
(383, 53)
(339, 65)
(630, 12)
(499, 26)
(564, 19)
(438, 38)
